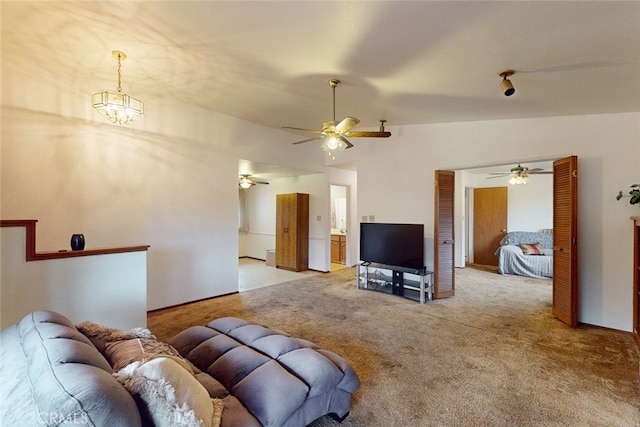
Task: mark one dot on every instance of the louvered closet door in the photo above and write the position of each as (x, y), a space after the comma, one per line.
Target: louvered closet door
(565, 240)
(443, 270)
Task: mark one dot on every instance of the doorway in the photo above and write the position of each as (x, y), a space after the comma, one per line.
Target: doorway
(565, 229)
(339, 226)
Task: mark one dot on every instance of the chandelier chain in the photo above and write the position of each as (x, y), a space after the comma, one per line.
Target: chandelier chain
(119, 75)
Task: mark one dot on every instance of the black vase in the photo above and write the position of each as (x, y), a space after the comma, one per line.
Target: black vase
(77, 242)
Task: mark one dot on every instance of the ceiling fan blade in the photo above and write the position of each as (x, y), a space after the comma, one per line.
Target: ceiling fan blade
(247, 179)
(302, 129)
(540, 171)
(345, 140)
(367, 134)
(498, 176)
(346, 124)
(307, 140)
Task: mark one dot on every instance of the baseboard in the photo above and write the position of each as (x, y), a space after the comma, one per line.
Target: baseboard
(250, 257)
(191, 302)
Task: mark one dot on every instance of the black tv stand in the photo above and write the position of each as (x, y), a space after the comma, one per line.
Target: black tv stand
(396, 280)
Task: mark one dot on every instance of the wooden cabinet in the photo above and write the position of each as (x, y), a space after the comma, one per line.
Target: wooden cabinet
(339, 248)
(292, 231)
(636, 278)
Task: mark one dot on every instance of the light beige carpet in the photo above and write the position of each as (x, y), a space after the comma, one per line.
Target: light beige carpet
(493, 355)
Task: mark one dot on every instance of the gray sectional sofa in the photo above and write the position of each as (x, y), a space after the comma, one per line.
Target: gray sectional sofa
(52, 374)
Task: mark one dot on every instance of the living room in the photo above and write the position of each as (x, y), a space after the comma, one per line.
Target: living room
(170, 180)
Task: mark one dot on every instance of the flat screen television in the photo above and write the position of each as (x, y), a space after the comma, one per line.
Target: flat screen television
(399, 245)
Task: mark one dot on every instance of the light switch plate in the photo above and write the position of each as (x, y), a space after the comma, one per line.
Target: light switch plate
(372, 218)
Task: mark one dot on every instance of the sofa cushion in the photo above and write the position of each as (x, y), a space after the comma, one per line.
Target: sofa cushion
(256, 366)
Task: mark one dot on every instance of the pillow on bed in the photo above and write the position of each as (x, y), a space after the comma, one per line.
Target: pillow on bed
(531, 248)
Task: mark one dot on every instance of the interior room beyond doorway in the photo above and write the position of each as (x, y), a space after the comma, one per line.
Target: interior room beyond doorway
(339, 224)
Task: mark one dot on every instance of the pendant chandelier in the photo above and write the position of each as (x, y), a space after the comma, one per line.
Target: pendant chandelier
(118, 107)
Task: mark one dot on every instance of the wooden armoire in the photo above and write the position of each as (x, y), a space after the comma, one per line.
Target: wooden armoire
(292, 231)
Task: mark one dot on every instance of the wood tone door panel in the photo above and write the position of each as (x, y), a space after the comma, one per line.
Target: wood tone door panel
(565, 240)
(338, 249)
(335, 248)
(285, 246)
(489, 223)
(292, 231)
(444, 245)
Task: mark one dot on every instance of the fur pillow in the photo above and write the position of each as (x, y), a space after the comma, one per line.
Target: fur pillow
(122, 353)
(100, 335)
(170, 395)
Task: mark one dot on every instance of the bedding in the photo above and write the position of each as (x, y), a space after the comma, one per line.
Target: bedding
(538, 260)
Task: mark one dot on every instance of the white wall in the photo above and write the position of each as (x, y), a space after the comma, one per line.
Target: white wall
(123, 186)
(109, 289)
(397, 186)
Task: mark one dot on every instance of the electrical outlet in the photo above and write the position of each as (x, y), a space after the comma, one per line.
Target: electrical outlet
(319, 218)
(372, 218)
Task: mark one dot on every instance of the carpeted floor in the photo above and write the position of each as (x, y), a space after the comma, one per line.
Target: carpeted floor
(493, 355)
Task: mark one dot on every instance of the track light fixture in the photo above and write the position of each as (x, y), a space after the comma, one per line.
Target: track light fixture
(506, 85)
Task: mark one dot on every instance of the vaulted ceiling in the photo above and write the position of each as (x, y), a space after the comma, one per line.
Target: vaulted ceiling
(407, 62)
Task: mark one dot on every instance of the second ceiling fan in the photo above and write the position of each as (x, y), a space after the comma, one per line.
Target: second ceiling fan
(246, 181)
(335, 133)
(520, 174)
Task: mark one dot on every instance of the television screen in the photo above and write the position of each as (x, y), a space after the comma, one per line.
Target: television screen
(399, 245)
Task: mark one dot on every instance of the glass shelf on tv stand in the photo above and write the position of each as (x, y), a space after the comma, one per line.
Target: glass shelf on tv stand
(380, 281)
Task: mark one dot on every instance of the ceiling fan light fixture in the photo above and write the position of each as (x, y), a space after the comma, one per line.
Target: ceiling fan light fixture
(245, 182)
(505, 84)
(333, 143)
(518, 180)
(118, 107)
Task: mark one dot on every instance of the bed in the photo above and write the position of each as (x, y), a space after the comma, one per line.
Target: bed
(526, 253)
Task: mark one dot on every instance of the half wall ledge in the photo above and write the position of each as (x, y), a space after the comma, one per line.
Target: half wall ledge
(32, 255)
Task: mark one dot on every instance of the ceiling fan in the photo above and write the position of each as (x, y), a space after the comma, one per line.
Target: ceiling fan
(336, 133)
(246, 181)
(520, 174)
